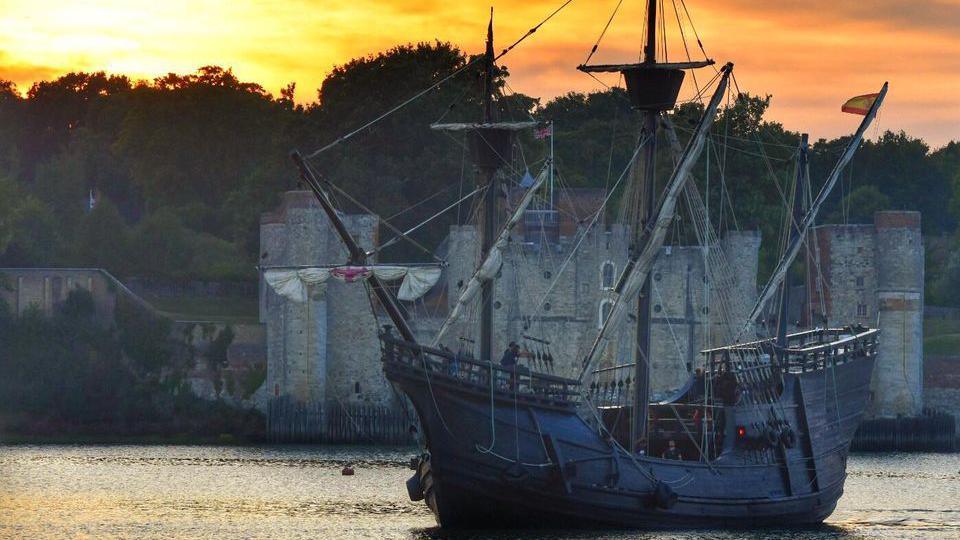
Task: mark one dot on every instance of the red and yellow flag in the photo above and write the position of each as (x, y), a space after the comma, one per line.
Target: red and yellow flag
(860, 104)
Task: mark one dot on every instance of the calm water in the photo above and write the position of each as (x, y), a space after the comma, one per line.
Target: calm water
(209, 492)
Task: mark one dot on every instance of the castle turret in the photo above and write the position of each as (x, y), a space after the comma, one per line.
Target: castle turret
(898, 376)
(314, 348)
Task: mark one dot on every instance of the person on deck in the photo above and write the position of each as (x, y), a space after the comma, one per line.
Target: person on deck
(511, 356)
(672, 452)
(640, 447)
(510, 359)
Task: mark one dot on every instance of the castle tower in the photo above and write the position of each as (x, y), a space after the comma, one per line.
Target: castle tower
(898, 376)
(325, 348)
(873, 275)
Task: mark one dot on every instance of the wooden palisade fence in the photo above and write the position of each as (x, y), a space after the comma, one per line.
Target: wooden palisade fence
(335, 422)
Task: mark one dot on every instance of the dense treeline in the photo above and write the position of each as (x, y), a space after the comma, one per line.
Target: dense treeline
(182, 166)
(72, 376)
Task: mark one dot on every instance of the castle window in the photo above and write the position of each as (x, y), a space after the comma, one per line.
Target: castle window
(859, 281)
(607, 275)
(605, 307)
(356, 387)
(861, 310)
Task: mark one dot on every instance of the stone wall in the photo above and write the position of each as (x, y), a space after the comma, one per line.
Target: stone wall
(873, 275)
(47, 288)
(900, 267)
(325, 349)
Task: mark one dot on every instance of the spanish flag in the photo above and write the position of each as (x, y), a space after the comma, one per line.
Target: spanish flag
(860, 104)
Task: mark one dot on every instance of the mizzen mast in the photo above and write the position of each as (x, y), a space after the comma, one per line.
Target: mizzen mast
(793, 226)
(653, 88)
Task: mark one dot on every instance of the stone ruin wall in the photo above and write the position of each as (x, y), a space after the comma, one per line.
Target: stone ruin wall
(869, 273)
(322, 350)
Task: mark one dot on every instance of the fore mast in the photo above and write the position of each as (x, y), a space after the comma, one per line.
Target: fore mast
(653, 88)
(491, 142)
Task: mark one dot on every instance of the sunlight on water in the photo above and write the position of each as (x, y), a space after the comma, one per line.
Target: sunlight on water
(208, 492)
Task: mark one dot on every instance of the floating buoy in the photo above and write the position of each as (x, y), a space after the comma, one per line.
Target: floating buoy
(347, 470)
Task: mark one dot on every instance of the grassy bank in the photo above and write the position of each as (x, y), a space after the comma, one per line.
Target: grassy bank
(941, 337)
(226, 309)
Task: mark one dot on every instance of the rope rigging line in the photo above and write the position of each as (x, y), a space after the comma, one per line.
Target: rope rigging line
(415, 97)
(385, 222)
(663, 34)
(596, 45)
(425, 91)
(421, 203)
(694, 27)
(406, 233)
(531, 31)
(586, 230)
(683, 39)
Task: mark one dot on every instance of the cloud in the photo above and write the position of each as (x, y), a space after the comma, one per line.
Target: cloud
(809, 54)
(942, 16)
(24, 74)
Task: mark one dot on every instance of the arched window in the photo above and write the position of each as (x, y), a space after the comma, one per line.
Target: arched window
(608, 272)
(605, 307)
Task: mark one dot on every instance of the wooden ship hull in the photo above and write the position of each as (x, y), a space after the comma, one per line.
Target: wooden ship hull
(540, 463)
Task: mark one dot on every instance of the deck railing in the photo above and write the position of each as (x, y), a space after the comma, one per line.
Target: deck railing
(810, 350)
(461, 369)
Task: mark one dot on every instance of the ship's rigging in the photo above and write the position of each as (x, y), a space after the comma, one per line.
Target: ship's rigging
(765, 388)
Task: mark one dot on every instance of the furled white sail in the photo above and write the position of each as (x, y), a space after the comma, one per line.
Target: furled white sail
(294, 283)
(797, 240)
(491, 265)
(664, 216)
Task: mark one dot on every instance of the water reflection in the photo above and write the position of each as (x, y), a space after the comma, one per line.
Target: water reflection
(212, 492)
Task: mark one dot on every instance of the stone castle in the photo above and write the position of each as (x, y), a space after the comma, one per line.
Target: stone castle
(326, 350)
(872, 274)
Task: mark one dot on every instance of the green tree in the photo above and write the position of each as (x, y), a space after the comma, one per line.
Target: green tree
(860, 205)
(35, 235)
(162, 246)
(103, 239)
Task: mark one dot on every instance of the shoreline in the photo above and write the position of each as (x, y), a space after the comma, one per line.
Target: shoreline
(223, 439)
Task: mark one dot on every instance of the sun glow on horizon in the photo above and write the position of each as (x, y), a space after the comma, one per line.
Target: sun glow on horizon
(809, 55)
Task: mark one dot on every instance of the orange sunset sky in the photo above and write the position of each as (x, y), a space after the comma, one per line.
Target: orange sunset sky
(811, 55)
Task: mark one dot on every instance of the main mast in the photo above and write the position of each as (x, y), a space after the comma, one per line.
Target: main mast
(649, 118)
(653, 88)
(488, 162)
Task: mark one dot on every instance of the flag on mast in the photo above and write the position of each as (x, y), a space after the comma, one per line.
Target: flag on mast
(860, 104)
(544, 132)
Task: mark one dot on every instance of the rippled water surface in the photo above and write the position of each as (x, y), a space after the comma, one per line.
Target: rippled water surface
(287, 493)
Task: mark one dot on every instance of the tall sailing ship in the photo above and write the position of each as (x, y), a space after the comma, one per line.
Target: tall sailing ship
(764, 425)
